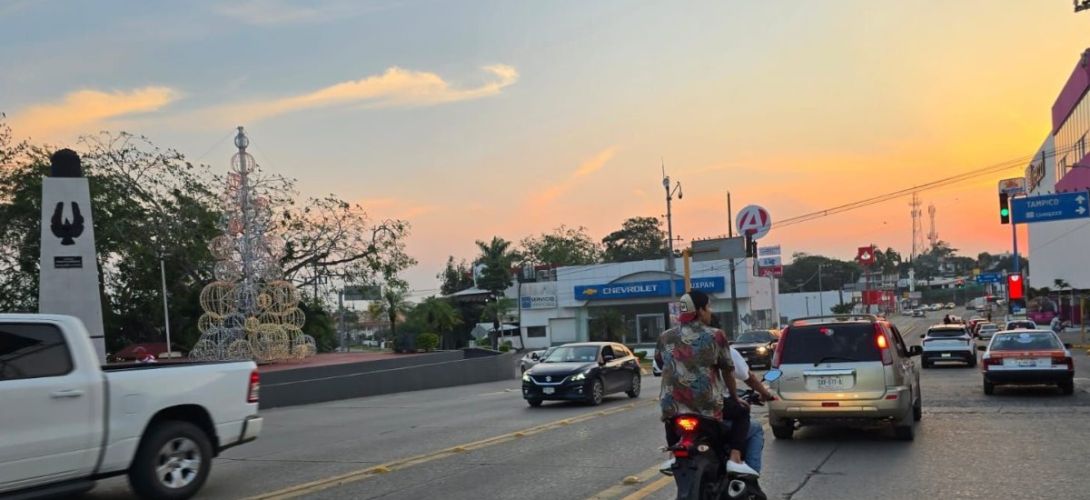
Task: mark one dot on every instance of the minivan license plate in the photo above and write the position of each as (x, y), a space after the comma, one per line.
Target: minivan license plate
(834, 382)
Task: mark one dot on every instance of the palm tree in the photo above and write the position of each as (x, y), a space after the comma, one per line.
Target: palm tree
(392, 305)
(1062, 285)
(438, 316)
(498, 259)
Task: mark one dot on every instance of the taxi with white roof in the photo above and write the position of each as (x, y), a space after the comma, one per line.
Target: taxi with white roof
(1027, 357)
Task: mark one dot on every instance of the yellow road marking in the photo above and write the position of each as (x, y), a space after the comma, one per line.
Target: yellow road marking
(404, 463)
(627, 485)
(650, 489)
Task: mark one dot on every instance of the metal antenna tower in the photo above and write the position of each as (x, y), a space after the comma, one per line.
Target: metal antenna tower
(917, 227)
(933, 235)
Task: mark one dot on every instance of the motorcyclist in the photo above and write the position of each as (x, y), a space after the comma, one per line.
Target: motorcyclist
(755, 438)
(696, 364)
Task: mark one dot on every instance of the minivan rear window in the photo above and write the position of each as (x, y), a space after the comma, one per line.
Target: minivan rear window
(834, 343)
(946, 332)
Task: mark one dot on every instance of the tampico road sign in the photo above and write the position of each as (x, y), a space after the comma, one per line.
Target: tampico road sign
(1050, 207)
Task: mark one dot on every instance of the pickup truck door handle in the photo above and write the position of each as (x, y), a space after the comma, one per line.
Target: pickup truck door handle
(71, 393)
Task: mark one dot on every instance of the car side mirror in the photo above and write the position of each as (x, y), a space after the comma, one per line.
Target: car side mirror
(772, 375)
(982, 348)
(607, 358)
(534, 356)
(915, 350)
(1067, 345)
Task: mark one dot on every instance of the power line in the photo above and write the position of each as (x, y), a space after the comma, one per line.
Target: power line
(988, 170)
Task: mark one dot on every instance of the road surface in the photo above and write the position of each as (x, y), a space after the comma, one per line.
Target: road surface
(483, 441)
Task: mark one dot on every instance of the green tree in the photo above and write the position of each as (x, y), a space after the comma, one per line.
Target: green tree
(888, 261)
(802, 273)
(607, 325)
(845, 308)
(564, 246)
(437, 315)
(455, 277)
(498, 259)
(427, 341)
(640, 238)
(1062, 285)
(393, 305)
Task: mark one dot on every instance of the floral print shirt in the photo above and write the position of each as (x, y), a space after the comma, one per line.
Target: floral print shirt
(691, 357)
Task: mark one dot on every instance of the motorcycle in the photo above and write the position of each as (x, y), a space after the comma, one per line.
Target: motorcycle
(699, 467)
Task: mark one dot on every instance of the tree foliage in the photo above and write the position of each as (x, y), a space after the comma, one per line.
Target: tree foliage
(455, 277)
(564, 246)
(498, 258)
(639, 238)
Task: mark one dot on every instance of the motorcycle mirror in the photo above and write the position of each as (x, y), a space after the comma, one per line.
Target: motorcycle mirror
(772, 375)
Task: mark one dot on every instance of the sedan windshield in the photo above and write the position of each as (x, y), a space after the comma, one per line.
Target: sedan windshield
(756, 336)
(573, 354)
(1027, 341)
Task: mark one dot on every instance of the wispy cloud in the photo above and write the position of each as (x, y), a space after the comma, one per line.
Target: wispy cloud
(394, 87)
(588, 167)
(82, 110)
(279, 12)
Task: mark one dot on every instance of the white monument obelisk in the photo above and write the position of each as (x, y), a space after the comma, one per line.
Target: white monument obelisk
(68, 283)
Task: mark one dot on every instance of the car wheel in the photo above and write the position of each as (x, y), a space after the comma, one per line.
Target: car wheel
(172, 462)
(597, 392)
(917, 408)
(925, 364)
(989, 388)
(634, 387)
(1068, 387)
(533, 402)
(784, 431)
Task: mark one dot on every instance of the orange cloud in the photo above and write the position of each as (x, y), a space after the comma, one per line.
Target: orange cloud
(85, 109)
(588, 167)
(394, 87)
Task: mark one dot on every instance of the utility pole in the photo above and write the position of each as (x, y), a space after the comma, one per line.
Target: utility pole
(733, 289)
(671, 265)
(166, 310)
(821, 293)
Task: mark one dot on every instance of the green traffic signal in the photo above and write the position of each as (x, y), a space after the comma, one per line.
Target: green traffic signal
(1004, 212)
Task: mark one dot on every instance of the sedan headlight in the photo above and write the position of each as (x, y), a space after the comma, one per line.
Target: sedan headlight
(579, 376)
(762, 350)
(525, 377)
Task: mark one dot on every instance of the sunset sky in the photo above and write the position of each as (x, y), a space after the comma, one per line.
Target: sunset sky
(509, 118)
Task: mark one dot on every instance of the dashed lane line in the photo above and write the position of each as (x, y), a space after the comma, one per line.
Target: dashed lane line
(404, 463)
(630, 485)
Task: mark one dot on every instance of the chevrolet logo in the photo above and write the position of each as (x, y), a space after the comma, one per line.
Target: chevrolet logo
(590, 291)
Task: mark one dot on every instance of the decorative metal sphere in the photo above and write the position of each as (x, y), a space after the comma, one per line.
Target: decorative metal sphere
(241, 141)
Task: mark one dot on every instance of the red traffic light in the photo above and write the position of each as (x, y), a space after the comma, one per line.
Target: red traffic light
(1014, 287)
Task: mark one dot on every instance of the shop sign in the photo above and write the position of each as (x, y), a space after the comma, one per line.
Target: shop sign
(538, 301)
(642, 289)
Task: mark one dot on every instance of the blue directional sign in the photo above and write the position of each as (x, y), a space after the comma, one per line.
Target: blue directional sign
(989, 278)
(1050, 207)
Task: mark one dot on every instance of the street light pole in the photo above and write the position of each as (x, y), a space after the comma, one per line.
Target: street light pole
(671, 265)
(166, 310)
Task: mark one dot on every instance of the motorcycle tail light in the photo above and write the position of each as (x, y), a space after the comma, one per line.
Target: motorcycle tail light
(686, 424)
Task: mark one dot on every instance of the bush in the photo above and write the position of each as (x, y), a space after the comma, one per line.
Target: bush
(484, 342)
(507, 345)
(427, 341)
(640, 354)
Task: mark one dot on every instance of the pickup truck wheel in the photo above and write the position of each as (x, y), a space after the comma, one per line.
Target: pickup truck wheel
(172, 462)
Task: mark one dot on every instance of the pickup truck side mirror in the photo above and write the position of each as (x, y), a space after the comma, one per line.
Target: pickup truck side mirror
(915, 350)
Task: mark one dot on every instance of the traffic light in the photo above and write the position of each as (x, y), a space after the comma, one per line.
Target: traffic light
(751, 246)
(1004, 208)
(1014, 286)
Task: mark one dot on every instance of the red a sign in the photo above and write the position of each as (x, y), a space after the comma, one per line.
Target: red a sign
(1015, 290)
(865, 256)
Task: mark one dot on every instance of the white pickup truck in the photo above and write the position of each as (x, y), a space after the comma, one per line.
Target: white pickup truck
(65, 421)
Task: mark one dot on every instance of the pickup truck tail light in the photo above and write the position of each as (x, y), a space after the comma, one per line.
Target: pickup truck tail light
(255, 387)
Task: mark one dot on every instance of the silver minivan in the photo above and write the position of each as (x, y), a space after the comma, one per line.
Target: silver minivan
(844, 370)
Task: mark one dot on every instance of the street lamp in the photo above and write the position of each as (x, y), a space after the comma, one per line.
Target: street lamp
(670, 191)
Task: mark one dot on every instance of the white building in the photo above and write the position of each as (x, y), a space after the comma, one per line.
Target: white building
(1056, 249)
(566, 309)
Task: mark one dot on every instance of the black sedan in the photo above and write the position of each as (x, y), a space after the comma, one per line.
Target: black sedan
(756, 346)
(582, 372)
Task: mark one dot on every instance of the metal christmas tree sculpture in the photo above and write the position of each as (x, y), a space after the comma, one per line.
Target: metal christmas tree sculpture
(250, 311)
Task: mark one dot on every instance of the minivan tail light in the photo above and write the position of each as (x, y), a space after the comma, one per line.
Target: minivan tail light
(252, 393)
(883, 345)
